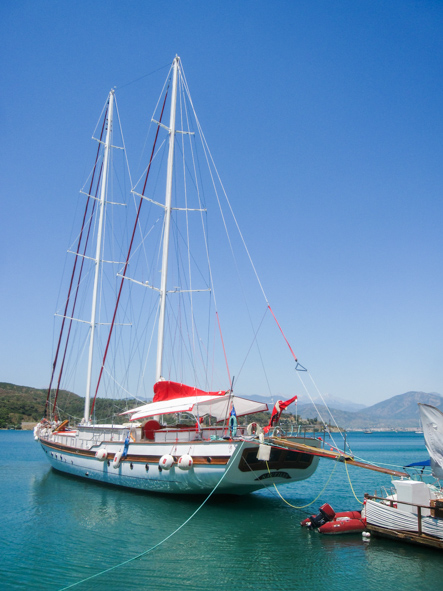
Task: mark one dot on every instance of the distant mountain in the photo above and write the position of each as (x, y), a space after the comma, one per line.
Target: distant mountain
(402, 408)
(333, 402)
(395, 413)
(339, 403)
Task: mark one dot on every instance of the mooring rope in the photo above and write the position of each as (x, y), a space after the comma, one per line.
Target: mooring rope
(318, 496)
(159, 543)
(350, 484)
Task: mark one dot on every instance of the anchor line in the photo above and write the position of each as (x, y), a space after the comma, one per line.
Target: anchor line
(162, 541)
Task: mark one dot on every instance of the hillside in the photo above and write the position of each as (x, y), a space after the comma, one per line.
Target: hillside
(21, 403)
(398, 412)
(402, 407)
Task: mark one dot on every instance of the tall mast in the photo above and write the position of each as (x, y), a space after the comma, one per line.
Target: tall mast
(164, 272)
(98, 252)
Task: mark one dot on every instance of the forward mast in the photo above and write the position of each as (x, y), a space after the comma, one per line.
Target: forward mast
(98, 253)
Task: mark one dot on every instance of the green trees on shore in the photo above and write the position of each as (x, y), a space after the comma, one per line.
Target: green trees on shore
(23, 404)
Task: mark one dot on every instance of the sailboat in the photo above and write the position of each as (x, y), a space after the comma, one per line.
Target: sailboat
(188, 440)
(413, 512)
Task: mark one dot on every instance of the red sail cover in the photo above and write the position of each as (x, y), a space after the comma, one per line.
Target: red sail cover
(172, 390)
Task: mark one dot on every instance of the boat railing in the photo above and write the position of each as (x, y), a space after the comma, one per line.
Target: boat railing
(174, 434)
(309, 432)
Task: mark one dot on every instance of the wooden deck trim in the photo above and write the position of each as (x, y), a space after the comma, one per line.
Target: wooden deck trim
(406, 536)
(136, 459)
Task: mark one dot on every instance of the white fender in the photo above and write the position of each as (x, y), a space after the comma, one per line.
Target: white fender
(117, 459)
(166, 462)
(101, 454)
(185, 462)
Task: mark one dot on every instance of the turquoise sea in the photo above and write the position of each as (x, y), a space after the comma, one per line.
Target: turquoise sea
(56, 530)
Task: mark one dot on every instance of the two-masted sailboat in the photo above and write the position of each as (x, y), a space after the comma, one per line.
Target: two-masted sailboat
(187, 440)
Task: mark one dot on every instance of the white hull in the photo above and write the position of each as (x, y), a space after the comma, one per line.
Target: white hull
(233, 464)
(391, 518)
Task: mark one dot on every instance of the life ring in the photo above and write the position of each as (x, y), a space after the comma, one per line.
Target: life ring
(254, 429)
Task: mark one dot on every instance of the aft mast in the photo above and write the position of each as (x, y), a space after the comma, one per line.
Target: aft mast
(167, 223)
(98, 253)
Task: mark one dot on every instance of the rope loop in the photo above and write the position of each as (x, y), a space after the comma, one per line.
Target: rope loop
(317, 497)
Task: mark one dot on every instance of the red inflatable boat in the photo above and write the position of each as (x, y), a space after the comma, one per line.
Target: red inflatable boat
(330, 522)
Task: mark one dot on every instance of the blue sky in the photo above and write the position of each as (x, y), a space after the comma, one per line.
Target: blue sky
(326, 123)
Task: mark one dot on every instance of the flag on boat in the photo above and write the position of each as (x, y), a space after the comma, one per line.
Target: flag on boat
(279, 407)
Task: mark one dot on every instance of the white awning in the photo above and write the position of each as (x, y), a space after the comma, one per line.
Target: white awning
(218, 407)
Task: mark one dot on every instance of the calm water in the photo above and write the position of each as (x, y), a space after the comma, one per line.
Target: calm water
(56, 530)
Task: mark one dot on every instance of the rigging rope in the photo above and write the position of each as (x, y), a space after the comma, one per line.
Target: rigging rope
(210, 159)
(316, 409)
(72, 278)
(283, 334)
(168, 65)
(162, 541)
(223, 344)
(326, 406)
(79, 281)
